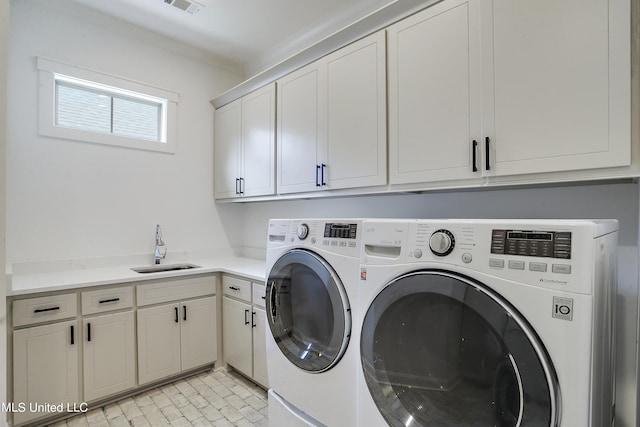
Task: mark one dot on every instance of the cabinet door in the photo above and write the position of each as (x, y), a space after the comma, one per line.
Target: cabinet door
(158, 342)
(301, 128)
(259, 347)
(109, 355)
(434, 94)
(199, 337)
(356, 154)
(227, 139)
(556, 84)
(45, 367)
(236, 335)
(258, 142)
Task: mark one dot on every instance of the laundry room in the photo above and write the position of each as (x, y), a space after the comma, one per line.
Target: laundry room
(298, 158)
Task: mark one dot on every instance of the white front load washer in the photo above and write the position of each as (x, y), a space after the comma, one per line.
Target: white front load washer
(487, 323)
(313, 270)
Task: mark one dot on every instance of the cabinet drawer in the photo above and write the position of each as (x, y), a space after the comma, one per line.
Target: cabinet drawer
(102, 300)
(173, 290)
(44, 309)
(238, 288)
(258, 294)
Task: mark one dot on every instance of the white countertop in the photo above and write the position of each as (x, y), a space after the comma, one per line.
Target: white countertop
(30, 283)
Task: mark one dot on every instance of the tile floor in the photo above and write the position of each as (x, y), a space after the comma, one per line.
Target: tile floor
(215, 398)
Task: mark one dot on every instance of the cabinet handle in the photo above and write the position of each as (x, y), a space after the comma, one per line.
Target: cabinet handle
(73, 335)
(253, 322)
(486, 148)
(474, 150)
(246, 313)
(42, 310)
(88, 332)
(241, 185)
(237, 184)
(322, 174)
(176, 309)
(317, 181)
(105, 301)
(234, 288)
(184, 310)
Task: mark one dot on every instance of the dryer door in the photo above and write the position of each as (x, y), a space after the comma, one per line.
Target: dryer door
(308, 310)
(438, 348)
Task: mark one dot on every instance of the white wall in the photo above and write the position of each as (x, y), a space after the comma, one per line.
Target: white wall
(4, 44)
(68, 199)
(617, 201)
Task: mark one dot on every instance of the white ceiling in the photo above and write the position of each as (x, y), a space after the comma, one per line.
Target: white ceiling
(253, 33)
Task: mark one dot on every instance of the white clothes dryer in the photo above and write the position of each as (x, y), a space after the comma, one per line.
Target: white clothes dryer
(506, 323)
(313, 269)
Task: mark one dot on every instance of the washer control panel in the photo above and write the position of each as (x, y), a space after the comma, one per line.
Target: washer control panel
(531, 243)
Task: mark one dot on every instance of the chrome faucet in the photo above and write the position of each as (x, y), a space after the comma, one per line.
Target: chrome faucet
(159, 242)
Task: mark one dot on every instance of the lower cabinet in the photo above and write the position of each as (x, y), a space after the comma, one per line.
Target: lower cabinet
(45, 368)
(244, 328)
(176, 337)
(109, 355)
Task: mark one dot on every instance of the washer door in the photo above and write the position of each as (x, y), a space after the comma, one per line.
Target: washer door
(308, 310)
(441, 349)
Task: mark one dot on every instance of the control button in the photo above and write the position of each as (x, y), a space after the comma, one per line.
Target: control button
(313, 240)
(302, 231)
(538, 266)
(561, 268)
(343, 244)
(334, 243)
(466, 257)
(325, 242)
(352, 244)
(496, 263)
(417, 253)
(516, 265)
(442, 242)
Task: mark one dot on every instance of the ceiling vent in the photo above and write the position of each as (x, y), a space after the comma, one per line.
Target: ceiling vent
(188, 6)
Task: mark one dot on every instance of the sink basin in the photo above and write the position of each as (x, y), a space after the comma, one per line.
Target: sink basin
(163, 268)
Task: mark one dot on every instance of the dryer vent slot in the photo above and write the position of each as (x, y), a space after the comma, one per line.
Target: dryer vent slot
(383, 251)
(276, 238)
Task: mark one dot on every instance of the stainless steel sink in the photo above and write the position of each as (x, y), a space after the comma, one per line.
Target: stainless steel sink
(164, 268)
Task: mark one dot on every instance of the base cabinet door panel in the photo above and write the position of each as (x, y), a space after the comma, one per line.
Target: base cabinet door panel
(260, 347)
(199, 340)
(158, 342)
(109, 355)
(236, 325)
(45, 366)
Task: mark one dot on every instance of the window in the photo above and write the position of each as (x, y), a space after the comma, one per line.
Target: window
(89, 106)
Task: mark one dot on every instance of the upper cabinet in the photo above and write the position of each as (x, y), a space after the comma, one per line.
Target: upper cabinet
(434, 94)
(505, 87)
(556, 85)
(332, 121)
(245, 146)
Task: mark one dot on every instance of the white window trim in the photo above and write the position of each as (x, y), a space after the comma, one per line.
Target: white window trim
(46, 121)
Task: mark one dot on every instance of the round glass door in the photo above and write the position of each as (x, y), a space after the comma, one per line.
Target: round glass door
(440, 349)
(308, 311)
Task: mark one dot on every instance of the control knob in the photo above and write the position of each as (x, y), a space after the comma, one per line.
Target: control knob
(303, 231)
(442, 242)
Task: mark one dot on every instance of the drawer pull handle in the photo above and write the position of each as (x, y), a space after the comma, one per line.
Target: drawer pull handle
(177, 319)
(234, 288)
(105, 301)
(253, 319)
(88, 332)
(72, 336)
(184, 309)
(42, 310)
(263, 297)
